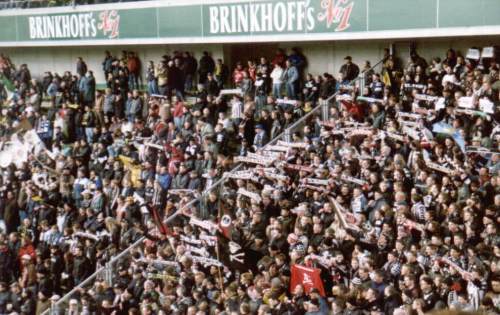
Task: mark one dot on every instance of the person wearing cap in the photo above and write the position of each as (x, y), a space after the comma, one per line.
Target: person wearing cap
(260, 138)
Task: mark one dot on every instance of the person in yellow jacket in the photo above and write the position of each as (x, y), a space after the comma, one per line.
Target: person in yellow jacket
(161, 77)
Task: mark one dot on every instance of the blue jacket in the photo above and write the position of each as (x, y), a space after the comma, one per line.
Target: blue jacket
(164, 180)
(291, 74)
(52, 89)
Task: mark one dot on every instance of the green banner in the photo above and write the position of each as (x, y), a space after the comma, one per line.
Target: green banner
(244, 19)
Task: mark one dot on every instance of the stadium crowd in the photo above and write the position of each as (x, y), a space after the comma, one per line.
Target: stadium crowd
(387, 207)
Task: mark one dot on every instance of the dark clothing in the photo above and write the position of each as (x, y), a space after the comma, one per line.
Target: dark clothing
(391, 303)
(175, 78)
(207, 65)
(81, 68)
(11, 216)
(349, 71)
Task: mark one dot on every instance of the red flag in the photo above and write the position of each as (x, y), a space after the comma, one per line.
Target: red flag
(226, 226)
(157, 220)
(309, 278)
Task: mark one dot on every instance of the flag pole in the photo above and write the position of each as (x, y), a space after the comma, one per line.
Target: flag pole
(221, 281)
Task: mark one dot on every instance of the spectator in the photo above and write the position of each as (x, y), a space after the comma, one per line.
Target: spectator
(134, 70)
(238, 74)
(277, 77)
(221, 74)
(349, 70)
(190, 66)
(374, 199)
(81, 67)
(291, 76)
(206, 65)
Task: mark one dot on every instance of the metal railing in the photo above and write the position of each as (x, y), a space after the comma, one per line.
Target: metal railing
(107, 272)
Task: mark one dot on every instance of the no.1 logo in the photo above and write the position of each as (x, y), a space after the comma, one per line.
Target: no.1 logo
(336, 12)
(109, 22)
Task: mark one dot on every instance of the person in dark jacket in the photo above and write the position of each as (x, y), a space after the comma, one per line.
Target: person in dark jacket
(81, 67)
(11, 213)
(207, 65)
(81, 266)
(7, 261)
(46, 81)
(327, 87)
(89, 121)
(189, 67)
(392, 300)
(175, 79)
(349, 70)
(107, 63)
(211, 85)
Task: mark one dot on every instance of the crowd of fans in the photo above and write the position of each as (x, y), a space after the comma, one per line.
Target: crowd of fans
(396, 215)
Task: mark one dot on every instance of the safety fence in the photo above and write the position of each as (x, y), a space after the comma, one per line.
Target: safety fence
(105, 275)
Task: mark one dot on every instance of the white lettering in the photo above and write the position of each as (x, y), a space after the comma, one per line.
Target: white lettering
(81, 24)
(279, 17)
(254, 21)
(301, 15)
(66, 26)
(310, 19)
(267, 17)
(62, 26)
(32, 27)
(291, 7)
(87, 24)
(243, 18)
(39, 26)
(92, 25)
(214, 20)
(74, 26)
(224, 20)
(57, 23)
(233, 18)
(49, 26)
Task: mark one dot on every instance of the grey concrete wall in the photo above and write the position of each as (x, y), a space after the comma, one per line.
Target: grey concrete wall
(322, 56)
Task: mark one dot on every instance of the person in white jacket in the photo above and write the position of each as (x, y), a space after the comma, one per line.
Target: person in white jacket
(277, 77)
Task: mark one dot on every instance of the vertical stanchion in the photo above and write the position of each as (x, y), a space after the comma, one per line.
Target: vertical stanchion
(325, 110)
(288, 136)
(361, 83)
(108, 273)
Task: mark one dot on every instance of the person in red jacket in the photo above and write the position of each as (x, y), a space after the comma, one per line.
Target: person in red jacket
(134, 67)
(252, 70)
(26, 250)
(280, 58)
(178, 113)
(238, 74)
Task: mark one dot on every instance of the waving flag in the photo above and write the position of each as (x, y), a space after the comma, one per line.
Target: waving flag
(447, 129)
(309, 278)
